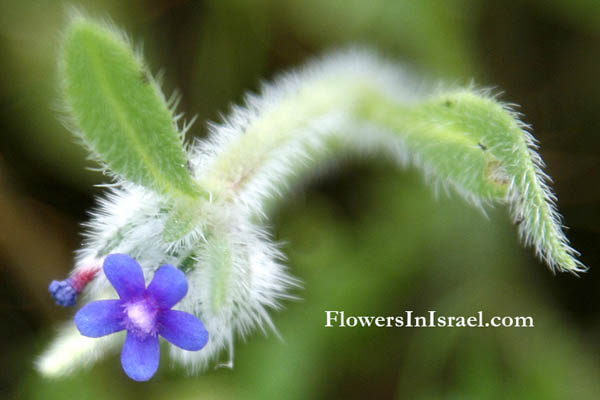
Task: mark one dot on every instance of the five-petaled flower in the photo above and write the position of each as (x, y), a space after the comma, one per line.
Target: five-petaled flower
(144, 312)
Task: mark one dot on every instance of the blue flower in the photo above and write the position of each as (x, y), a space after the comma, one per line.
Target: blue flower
(145, 313)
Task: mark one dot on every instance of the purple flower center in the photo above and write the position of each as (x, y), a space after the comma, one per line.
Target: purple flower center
(140, 317)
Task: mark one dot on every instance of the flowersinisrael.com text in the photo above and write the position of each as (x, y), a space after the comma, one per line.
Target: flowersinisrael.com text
(339, 319)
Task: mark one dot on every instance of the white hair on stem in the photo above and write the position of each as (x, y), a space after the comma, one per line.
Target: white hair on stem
(349, 102)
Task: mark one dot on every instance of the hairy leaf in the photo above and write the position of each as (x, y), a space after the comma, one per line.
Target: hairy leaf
(119, 111)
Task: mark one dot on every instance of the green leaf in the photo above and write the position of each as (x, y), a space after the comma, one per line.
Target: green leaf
(119, 111)
(183, 218)
(481, 146)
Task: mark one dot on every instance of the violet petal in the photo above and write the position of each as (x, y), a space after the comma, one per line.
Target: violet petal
(125, 274)
(168, 286)
(183, 330)
(100, 318)
(140, 357)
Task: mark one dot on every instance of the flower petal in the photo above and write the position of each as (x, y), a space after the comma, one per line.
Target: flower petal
(168, 286)
(183, 330)
(100, 318)
(140, 357)
(125, 274)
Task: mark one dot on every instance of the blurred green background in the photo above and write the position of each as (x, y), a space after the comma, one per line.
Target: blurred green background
(367, 239)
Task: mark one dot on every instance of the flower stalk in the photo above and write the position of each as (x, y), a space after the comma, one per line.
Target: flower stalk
(203, 208)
